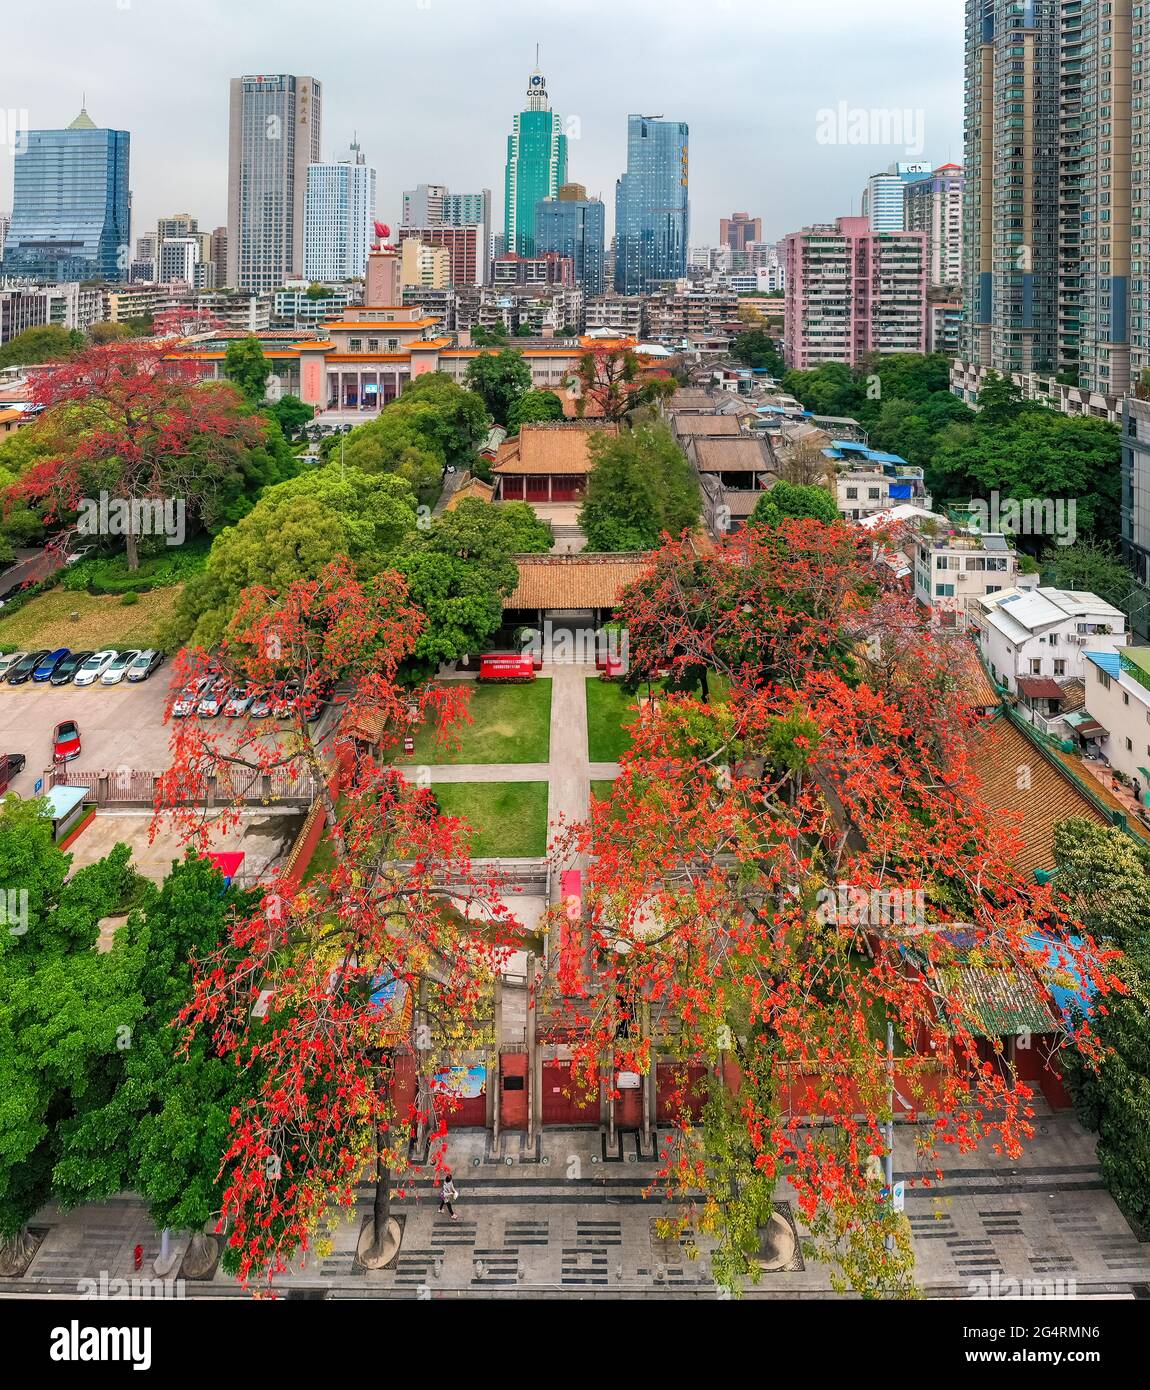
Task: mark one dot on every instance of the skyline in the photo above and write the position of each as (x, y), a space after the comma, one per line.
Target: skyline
(753, 111)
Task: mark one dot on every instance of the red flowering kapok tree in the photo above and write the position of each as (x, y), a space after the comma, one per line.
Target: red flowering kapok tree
(129, 420)
(386, 953)
(785, 874)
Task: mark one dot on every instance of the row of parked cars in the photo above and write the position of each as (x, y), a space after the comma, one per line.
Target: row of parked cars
(65, 667)
(212, 695)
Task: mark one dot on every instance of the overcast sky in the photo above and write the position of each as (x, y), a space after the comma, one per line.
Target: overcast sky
(431, 85)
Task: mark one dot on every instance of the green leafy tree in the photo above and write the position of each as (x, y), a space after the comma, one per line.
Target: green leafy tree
(459, 572)
(455, 418)
(493, 336)
(66, 1010)
(828, 390)
(293, 532)
(792, 501)
(48, 344)
(1000, 401)
(534, 406)
(756, 348)
(639, 487)
(1038, 453)
(246, 366)
(1090, 567)
(292, 415)
(1104, 878)
(499, 379)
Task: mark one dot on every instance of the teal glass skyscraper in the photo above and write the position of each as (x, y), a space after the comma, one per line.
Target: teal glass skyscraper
(651, 208)
(536, 165)
(70, 205)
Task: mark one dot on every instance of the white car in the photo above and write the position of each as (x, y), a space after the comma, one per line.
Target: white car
(94, 667)
(190, 696)
(116, 670)
(7, 662)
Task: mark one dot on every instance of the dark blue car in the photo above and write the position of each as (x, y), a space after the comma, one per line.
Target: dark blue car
(47, 667)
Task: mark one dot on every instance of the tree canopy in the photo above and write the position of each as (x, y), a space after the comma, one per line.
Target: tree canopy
(639, 487)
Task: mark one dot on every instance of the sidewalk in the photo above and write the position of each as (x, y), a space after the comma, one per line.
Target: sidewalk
(568, 1218)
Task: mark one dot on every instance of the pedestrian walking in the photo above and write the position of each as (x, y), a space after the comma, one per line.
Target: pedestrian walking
(448, 1193)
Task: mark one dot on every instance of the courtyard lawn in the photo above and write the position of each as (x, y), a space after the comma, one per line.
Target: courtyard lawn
(509, 818)
(510, 724)
(609, 708)
(103, 621)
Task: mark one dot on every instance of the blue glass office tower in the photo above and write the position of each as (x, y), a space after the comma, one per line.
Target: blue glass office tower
(70, 205)
(651, 207)
(574, 227)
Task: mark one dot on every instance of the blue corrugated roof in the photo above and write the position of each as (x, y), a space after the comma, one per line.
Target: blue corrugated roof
(1072, 996)
(879, 457)
(1108, 661)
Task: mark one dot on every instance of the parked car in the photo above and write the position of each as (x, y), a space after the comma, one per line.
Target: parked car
(10, 765)
(7, 662)
(22, 671)
(76, 555)
(190, 697)
(263, 704)
(239, 701)
(286, 702)
(65, 742)
(65, 673)
(143, 666)
(116, 670)
(95, 666)
(212, 699)
(47, 668)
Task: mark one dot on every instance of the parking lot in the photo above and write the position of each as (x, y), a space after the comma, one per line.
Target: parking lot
(120, 725)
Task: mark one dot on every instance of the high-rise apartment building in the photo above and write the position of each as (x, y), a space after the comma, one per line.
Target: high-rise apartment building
(1097, 195)
(70, 212)
(536, 165)
(472, 210)
(463, 245)
(218, 255)
(424, 265)
(423, 205)
(1011, 214)
(652, 217)
(934, 205)
(339, 209)
(851, 291)
(883, 200)
(275, 130)
(576, 229)
(740, 230)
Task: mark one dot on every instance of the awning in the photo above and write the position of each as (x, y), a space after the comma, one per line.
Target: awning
(1085, 725)
(1039, 688)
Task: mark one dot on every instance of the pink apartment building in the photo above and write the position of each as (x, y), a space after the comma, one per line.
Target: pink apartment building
(851, 291)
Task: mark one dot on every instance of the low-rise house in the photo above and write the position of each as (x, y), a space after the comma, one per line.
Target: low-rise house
(1044, 632)
(956, 565)
(1118, 708)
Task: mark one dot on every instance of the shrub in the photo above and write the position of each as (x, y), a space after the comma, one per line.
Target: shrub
(129, 598)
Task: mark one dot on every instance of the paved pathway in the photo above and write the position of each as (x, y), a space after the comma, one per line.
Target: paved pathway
(569, 773)
(571, 1218)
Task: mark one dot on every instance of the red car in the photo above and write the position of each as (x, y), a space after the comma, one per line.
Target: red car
(65, 742)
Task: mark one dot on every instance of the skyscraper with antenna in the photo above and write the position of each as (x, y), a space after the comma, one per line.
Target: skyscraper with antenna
(536, 163)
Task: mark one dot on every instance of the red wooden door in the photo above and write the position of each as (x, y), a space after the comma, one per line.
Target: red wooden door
(566, 1102)
(513, 1085)
(679, 1087)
